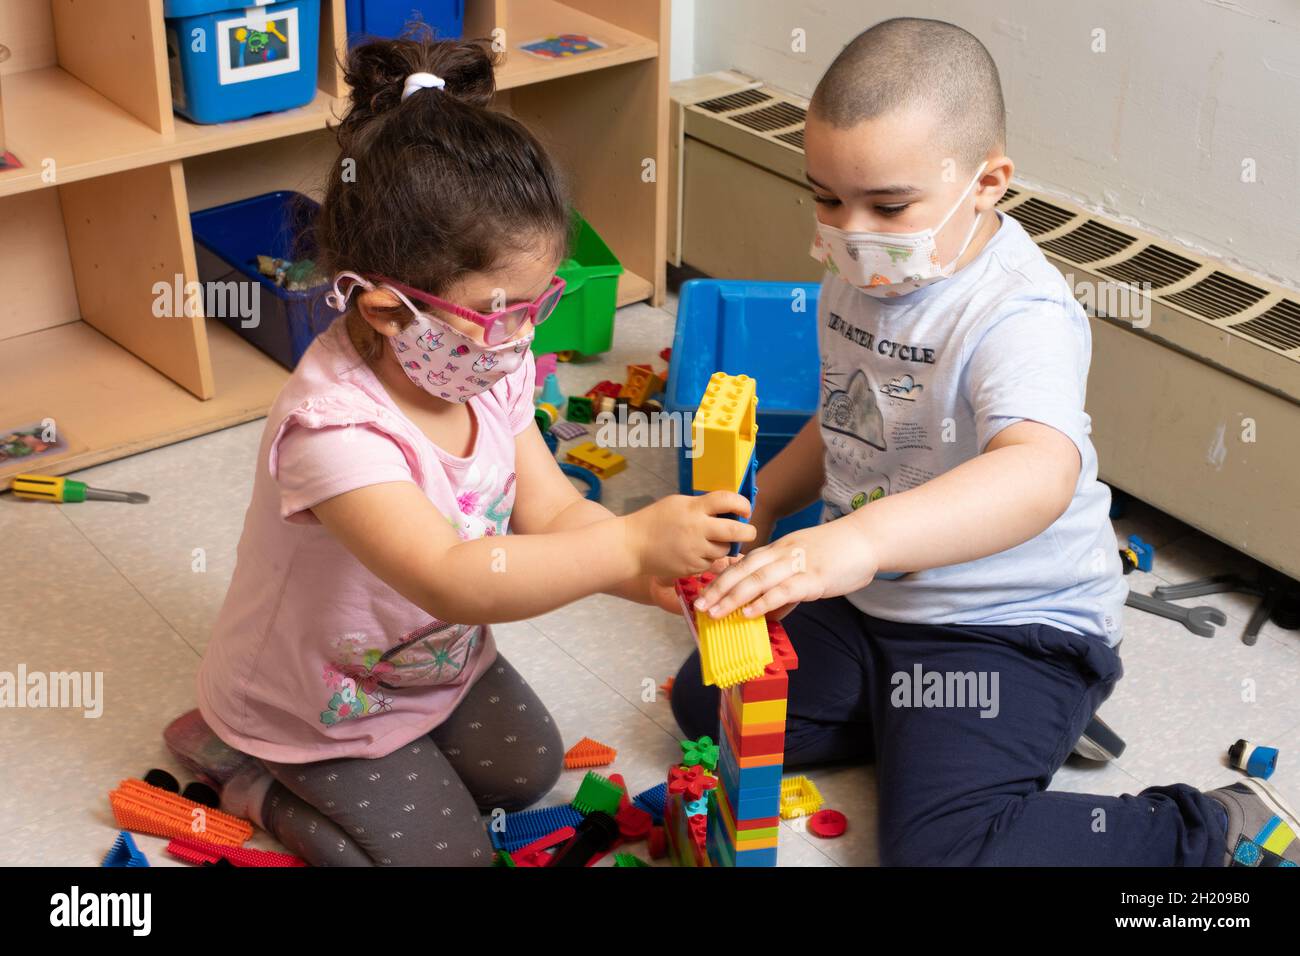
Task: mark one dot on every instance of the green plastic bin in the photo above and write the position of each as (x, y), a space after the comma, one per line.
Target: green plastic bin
(583, 322)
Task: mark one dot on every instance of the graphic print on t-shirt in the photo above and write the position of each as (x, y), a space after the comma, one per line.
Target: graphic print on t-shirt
(874, 412)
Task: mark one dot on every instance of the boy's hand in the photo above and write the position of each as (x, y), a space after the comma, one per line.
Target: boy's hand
(682, 534)
(826, 561)
(764, 523)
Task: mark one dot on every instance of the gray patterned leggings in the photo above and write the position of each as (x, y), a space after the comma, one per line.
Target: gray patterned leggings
(421, 805)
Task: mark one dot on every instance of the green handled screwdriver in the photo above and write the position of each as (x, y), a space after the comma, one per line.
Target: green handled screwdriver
(53, 488)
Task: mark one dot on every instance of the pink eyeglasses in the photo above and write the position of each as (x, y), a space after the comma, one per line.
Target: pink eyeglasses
(497, 328)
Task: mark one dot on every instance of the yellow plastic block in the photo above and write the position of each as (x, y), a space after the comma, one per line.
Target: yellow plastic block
(600, 461)
(732, 649)
(761, 712)
(724, 432)
(799, 798)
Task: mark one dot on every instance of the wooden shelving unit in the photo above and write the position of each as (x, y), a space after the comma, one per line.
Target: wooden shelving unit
(100, 211)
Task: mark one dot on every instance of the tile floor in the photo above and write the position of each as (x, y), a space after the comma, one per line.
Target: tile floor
(114, 588)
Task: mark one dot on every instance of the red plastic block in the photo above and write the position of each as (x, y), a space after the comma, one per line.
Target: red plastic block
(828, 824)
(605, 388)
(201, 851)
(772, 684)
(618, 781)
(633, 823)
(782, 649)
(658, 843)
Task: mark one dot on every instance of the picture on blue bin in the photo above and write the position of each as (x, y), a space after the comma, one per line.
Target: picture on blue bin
(257, 46)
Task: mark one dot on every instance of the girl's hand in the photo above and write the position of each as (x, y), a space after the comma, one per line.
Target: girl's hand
(826, 561)
(682, 534)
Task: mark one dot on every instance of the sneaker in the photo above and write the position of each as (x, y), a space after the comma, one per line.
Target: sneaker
(1099, 742)
(1262, 829)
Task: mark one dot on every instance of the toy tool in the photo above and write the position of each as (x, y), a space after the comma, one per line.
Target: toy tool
(53, 488)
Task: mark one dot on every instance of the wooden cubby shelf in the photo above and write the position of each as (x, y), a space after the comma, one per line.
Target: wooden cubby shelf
(83, 242)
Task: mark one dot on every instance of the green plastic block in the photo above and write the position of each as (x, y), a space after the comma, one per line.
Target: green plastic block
(629, 859)
(579, 409)
(597, 793)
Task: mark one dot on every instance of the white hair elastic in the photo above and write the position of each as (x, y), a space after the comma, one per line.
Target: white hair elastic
(422, 81)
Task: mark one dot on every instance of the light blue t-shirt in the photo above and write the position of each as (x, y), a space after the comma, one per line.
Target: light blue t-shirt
(914, 386)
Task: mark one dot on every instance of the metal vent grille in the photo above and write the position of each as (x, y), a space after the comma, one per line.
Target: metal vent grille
(1090, 242)
(1153, 268)
(1278, 326)
(794, 138)
(777, 116)
(1217, 296)
(1039, 217)
(1009, 195)
(734, 101)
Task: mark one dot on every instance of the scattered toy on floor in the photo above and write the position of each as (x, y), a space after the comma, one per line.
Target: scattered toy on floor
(566, 431)
(54, 488)
(124, 853)
(589, 753)
(1255, 760)
(828, 824)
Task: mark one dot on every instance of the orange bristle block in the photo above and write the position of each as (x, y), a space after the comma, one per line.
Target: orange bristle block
(144, 809)
(589, 753)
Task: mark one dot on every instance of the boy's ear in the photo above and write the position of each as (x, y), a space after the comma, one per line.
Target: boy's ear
(994, 181)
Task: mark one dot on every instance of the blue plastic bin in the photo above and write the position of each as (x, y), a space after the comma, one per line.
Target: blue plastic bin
(227, 241)
(230, 60)
(749, 328)
(388, 18)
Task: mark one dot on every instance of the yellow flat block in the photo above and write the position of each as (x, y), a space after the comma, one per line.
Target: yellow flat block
(724, 431)
(600, 461)
(799, 798)
(732, 649)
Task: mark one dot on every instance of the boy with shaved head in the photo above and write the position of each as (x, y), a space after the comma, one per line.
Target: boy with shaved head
(958, 610)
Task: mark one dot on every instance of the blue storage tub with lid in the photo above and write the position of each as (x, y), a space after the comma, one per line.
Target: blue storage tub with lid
(388, 18)
(229, 60)
(227, 241)
(754, 329)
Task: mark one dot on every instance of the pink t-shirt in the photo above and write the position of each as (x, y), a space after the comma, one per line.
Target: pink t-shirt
(312, 656)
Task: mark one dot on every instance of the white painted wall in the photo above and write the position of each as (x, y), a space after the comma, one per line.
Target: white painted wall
(1155, 130)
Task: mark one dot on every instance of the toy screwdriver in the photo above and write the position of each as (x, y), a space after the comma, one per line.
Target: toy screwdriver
(52, 488)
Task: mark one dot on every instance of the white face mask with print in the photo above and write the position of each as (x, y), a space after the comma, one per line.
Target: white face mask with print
(889, 263)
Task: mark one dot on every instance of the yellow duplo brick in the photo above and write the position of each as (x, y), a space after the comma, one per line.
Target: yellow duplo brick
(724, 433)
(600, 461)
(732, 649)
(762, 712)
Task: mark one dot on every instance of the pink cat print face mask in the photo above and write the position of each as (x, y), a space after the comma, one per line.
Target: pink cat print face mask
(436, 357)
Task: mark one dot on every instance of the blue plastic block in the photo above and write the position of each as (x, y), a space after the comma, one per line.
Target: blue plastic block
(764, 857)
(730, 326)
(652, 801)
(124, 852)
(528, 826)
(1146, 553)
(1262, 762)
(736, 777)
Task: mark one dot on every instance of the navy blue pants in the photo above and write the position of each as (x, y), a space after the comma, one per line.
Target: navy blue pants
(954, 787)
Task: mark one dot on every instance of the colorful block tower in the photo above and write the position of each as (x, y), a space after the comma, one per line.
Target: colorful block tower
(728, 813)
